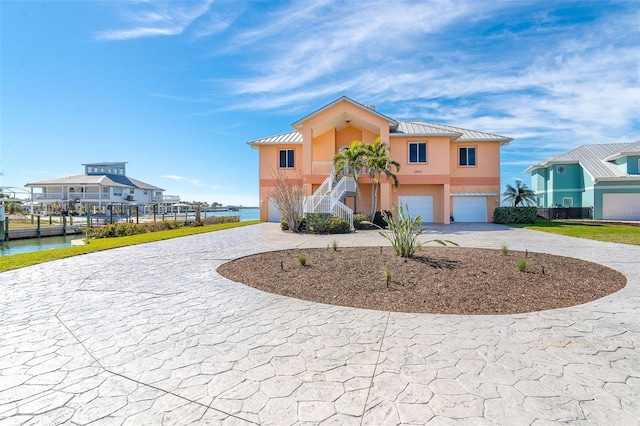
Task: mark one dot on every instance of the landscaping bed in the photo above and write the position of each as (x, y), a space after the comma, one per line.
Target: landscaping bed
(436, 280)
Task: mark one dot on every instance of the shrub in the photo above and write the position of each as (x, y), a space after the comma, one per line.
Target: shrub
(504, 250)
(515, 214)
(338, 226)
(405, 231)
(522, 265)
(319, 222)
(387, 275)
(378, 218)
(302, 259)
(283, 224)
(334, 245)
(358, 219)
(215, 220)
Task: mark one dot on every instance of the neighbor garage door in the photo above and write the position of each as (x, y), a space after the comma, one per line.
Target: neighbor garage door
(470, 209)
(419, 205)
(621, 206)
(274, 214)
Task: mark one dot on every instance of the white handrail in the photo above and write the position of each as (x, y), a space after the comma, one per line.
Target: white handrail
(326, 199)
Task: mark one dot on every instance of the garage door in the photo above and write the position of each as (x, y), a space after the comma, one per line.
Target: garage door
(419, 205)
(470, 209)
(621, 206)
(274, 214)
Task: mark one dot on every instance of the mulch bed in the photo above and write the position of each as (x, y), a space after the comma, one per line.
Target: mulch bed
(439, 280)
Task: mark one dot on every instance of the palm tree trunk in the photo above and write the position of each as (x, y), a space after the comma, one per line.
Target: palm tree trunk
(359, 196)
(373, 201)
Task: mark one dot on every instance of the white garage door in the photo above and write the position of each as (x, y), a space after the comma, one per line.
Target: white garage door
(274, 214)
(621, 206)
(419, 205)
(470, 209)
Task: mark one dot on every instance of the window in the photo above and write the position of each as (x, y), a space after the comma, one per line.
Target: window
(131, 191)
(467, 156)
(567, 202)
(561, 169)
(145, 192)
(286, 158)
(117, 191)
(417, 152)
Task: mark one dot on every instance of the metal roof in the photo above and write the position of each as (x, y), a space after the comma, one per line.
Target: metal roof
(405, 128)
(102, 180)
(595, 159)
(392, 122)
(419, 127)
(289, 138)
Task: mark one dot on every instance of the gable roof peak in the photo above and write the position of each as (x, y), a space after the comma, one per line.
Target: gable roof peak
(392, 123)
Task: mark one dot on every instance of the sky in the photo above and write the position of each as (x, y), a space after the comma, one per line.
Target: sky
(176, 89)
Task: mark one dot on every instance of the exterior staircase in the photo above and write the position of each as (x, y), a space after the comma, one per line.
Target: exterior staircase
(329, 196)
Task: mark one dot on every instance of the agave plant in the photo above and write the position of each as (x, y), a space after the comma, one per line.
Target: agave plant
(404, 230)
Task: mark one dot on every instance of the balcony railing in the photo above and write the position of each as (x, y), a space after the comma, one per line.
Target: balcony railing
(69, 196)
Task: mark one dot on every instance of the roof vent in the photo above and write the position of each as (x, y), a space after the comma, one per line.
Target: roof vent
(371, 107)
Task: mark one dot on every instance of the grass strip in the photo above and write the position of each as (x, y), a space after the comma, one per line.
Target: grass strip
(623, 234)
(27, 259)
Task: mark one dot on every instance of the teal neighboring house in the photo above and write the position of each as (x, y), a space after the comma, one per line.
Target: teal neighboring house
(605, 177)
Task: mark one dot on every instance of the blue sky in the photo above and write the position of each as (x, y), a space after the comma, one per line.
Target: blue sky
(177, 89)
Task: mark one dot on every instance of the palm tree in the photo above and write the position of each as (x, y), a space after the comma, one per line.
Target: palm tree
(351, 160)
(378, 162)
(519, 194)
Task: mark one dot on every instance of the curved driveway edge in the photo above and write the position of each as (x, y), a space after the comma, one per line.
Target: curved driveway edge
(151, 334)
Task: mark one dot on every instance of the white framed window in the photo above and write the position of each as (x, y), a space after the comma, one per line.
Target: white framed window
(561, 170)
(117, 191)
(417, 152)
(286, 158)
(145, 192)
(467, 156)
(567, 202)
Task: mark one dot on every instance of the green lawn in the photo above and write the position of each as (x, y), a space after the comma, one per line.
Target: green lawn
(27, 259)
(624, 234)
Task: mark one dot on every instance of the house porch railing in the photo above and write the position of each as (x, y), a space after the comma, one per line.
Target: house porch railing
(327, 199)
(566, 213)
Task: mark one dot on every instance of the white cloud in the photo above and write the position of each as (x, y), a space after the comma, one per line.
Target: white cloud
(151, 19)
(183, 179)
(519, 69)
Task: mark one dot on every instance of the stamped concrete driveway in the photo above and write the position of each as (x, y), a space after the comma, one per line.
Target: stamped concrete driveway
(151, 334)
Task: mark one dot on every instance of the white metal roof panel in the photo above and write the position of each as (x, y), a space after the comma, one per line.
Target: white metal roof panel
(103, 180)
(294, 137)
(593, 158)
(419, 127)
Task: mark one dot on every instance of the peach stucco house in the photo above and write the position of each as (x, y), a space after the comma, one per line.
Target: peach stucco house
(445, 171)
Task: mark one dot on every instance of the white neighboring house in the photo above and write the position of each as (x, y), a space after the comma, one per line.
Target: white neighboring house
(102, 187)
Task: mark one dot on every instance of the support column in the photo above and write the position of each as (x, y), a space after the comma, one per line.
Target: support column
(385, 196)
(446, 201)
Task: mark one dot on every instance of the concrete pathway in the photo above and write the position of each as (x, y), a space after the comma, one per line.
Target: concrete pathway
(153, 335)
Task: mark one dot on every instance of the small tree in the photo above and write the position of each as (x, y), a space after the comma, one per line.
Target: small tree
(378, 162)
(519, 195)
(351, 160)
(288, 197)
